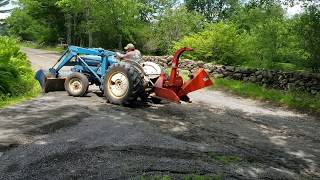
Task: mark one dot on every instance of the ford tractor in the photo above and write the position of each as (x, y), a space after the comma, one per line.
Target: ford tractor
(122, 82)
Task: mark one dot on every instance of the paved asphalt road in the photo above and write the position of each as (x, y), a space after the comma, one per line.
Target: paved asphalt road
(220, 136)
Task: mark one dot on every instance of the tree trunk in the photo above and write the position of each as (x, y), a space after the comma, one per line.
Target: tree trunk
(69, 28)
(89, 31)
(120, 42)
(90, 39)
(75, 36)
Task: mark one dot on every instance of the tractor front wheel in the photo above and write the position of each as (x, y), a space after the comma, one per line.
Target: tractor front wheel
(76, 84)
(123, 84)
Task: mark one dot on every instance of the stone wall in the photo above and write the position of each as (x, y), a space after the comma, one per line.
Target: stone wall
(276, 79)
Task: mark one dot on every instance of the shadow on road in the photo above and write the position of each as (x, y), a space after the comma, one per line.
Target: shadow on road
(70, 137)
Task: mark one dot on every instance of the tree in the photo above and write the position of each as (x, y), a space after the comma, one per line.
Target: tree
(273, 40)
(309, 30)
(44, 13)
(81, 10)
(36, 20)
(104, 23)
(250, 16)
(213, 10)
(151, 9)
(173, 26)
(118, 21)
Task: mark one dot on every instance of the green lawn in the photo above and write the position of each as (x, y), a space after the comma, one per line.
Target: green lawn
(296, 100)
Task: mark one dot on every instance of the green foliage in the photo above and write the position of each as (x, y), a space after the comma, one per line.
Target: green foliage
(292, 99)
(248, 17)
(256, 37)
(255, 33)
(151, 9)
(16, 76)
(218, 42)
(274, 43)
(172, 26)
(214, 10)
(104, 23)
(24, 26)
(308, 27)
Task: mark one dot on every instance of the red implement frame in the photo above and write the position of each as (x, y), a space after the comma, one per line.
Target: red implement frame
(173, 88)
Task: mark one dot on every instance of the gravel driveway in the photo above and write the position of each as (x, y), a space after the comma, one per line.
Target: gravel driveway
(221, 136)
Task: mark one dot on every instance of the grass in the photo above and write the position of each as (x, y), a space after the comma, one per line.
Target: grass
(38, 46)
(7, 101)
(227, 159)
(288, 67)
(298, 100)
(183, 73)
(292, 99)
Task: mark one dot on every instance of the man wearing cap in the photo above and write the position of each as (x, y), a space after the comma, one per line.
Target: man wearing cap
(131, 53)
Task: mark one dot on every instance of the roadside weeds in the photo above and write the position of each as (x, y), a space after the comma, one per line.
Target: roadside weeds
(295, 100)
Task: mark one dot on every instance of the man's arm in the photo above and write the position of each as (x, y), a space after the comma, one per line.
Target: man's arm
(128, 55)
(119, 55)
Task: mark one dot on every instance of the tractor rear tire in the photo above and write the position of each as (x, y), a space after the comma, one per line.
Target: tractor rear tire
(76, 84)
(123, 84)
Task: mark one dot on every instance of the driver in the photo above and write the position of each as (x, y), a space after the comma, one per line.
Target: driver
(132, 54)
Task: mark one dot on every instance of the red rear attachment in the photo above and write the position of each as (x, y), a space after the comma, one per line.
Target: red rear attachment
(173, 87)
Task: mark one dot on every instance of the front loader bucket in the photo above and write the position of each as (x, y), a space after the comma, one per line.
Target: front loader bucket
(201, 79)
(49, 83)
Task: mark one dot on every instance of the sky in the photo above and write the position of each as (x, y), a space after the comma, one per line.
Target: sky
(4, 15)
(291, 10)
(294, 10)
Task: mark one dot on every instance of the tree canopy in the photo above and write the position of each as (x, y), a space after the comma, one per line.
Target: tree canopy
(256, 33)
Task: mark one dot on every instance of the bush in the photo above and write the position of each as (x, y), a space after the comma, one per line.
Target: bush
(16, 76)
(271, 45)
(219, 43)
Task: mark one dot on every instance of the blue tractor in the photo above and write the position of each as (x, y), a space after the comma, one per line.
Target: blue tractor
(122, 82)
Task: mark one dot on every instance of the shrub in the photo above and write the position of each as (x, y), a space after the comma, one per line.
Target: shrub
(218, 42)
(16, 76)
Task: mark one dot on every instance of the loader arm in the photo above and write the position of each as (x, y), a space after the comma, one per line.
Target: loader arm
(54, 82)
(74, 51)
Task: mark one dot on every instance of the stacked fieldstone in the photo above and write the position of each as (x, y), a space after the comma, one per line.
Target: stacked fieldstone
(309, 82)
